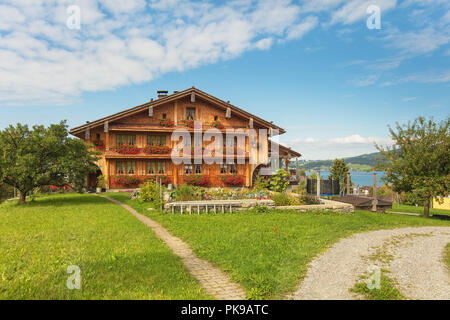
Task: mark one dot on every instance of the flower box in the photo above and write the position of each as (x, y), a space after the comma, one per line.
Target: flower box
(232, 180)
(197, 180)
(156, 150)
(189, 123)
(126, 149)
(99, 144)
(166, 123)
(124, 180)
(217, 124)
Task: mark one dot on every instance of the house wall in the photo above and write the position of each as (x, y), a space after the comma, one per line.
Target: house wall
(142, 125)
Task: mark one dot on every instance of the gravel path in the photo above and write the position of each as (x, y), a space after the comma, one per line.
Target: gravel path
(413, 255)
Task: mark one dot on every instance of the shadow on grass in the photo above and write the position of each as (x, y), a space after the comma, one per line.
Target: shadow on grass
(60, 200)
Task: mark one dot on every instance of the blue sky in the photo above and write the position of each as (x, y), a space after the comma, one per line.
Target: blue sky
(312, 67)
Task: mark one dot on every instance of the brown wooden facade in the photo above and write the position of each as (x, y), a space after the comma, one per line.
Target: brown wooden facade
(141, 126)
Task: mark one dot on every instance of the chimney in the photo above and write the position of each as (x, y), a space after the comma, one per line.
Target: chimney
(162, 93)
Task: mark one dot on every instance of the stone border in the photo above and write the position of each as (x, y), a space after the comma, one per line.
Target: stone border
(326, 205)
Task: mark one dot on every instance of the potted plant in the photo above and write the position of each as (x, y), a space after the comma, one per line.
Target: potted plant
(100, 183)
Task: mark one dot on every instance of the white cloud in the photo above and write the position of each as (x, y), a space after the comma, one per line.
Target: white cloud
(436, 77)
(356, 10)
(124, 42)
(409, 99)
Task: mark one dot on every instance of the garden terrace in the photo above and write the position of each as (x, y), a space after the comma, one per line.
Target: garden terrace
(216, 206)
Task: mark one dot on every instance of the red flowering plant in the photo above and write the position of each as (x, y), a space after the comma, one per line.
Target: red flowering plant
(99, 144)
(125, 180)
(232, 180)
(189, 123)
(54, 188)
(126, 149)
(198, 180)
(217, 124)
(165, 179)
(166, 123)
(156, 150)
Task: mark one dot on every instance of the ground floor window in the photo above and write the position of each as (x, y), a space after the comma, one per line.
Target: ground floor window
(156, 167)
(188, 169)
(126, 167)
(228, 168)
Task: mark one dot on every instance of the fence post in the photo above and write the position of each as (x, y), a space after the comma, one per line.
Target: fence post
(348, 183)
(318, 183)
(375, 200)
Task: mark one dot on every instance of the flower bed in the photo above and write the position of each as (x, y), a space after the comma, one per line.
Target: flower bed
(124, 180)
(156, 150)
(166, 123)
(232, 180)
(197, 180)
(126, 149)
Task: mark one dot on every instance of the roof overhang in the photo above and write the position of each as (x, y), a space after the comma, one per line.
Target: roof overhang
(171, 98)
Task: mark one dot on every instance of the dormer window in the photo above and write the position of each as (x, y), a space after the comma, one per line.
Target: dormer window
(216, 118)
(164, 116)
(190, 113)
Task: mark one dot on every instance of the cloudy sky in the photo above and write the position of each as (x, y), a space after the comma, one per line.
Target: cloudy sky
(313, 67)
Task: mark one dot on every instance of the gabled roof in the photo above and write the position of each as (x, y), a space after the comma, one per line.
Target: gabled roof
(172, 97)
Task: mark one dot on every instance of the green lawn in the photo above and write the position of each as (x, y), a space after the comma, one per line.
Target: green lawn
(268, 253)
(414, 209)
(119, 257)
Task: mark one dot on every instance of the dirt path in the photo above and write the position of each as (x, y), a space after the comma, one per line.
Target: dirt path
(212, 279)
(412, 255)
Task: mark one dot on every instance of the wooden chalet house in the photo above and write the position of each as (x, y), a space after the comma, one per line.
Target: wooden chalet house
(136, 143)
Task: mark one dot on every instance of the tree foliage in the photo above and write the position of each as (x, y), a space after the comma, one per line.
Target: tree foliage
(419, 161)
(339, 170)
(279, 181)
(40, 156)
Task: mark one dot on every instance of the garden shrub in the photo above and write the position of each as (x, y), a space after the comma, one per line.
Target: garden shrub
(281, 199)
(151, 192)
(187, 193)
(279, 181)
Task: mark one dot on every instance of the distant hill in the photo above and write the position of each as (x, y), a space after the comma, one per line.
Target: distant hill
(363, 162)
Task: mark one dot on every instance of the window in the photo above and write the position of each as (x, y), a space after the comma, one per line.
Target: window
(228, 168)
(98, 136)
(190, 113)
(131, 167)
(161, 167)
(164, 116)
(126, 139)
(151, 167)
(223, 169)
(198, 169)
(126, 167)
(120, 167)
(156, 167)
(216, 118)
(156, 140)
(188, 169)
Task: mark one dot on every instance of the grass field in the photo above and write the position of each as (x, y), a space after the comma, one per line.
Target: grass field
(414, 209)
(268, 253)
(119, 257)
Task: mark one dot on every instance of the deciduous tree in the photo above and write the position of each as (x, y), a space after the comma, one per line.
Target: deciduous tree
(419, 161)
(43, 156)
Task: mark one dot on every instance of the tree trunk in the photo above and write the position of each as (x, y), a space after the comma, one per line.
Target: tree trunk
(426, 208)
(22, 197)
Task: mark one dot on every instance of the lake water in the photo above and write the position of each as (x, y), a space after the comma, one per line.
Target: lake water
(360, 178)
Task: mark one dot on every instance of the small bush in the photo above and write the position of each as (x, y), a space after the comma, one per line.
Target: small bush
(151, 192)
(281, 199)
(187, 193)
(279, 181)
